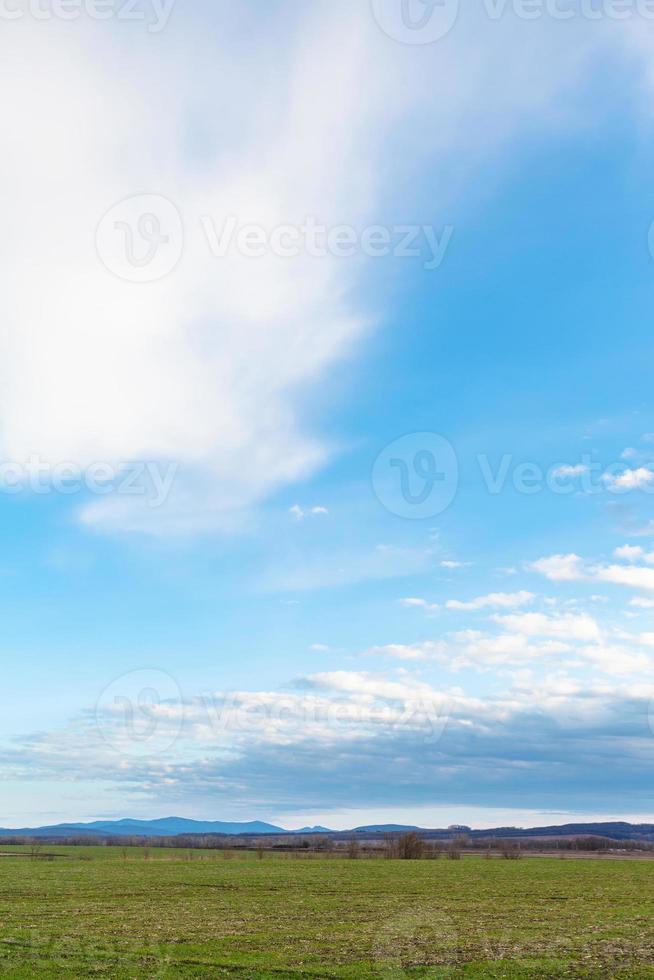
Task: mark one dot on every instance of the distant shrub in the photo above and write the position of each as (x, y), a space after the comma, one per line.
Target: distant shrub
(410, 846)
(510, 850)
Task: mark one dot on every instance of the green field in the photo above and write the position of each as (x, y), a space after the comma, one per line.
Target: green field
(107, 912)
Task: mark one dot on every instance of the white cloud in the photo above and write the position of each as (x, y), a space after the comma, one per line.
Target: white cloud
(374, 685)
(209, 367)
(642, 603)
(476, 649)
(429, 607)
(453, 565)
(638, 479)
(634, 553)
(560, 568)
(634, 577)
(616, 659)
(569, 627)
(496, 600)
(427, 650)
(302, 513)
(572, 568)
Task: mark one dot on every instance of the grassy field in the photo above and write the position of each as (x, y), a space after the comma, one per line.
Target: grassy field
(105, 912)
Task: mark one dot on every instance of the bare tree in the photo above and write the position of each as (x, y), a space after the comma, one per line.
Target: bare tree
(410, 846)
(510, 850)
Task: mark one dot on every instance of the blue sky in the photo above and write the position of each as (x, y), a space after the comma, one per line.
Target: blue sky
(270, 629)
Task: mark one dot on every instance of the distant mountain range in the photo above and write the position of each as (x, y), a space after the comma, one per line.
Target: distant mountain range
(384, 828)
(166, 827)
(174, 826)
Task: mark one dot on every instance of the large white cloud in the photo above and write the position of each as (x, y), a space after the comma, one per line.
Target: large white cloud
(271, 121)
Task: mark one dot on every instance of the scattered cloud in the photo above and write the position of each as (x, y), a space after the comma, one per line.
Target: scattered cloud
(560, 568)
(632, 576)
(569, 627)
(429, 607)
(302, 513)
(428, 650)
(638, 479)
(572, 568)
(363, 738)
(640, 602)
(496, 600)
(634, 553)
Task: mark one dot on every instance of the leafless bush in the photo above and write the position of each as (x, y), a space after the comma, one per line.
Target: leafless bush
(510, 850)
(410, 846)
(353, 849)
